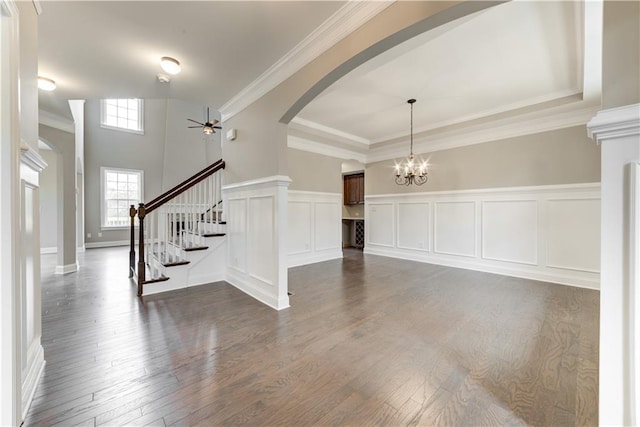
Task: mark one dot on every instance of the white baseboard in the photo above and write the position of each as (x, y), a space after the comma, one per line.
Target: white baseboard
(567, 277)
(66, 269)
(81, 249)
(93, 245)
(296, 260)
(237, 280)
(51, 250)
(30, 383)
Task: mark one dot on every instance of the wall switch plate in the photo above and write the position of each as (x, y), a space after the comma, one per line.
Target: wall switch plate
(99, 234)
(88, 235)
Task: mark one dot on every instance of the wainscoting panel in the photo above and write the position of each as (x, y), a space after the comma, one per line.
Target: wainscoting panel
(381, 226)
(574, 234)
(237, 232)
(455, 228)
(261, 230)
(315, 227)
(549, 233)
(256, 238)
(413, 226)
(327, 226)
(510, 231)
(300, 227)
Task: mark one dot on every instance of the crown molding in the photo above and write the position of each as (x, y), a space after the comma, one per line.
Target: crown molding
(55, 121)
(561, 117)
(324, 149)
(512, 128)
(615, 123)
(38, 6)
(347, 19)
(308, 124)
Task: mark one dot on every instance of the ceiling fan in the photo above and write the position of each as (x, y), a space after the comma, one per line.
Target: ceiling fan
(208, 127)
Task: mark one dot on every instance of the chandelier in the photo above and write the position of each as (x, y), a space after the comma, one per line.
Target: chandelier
(411, 172)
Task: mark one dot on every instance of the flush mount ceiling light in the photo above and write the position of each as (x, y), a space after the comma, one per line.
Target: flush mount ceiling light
(410, 172)
(46, 84)
(170, 65)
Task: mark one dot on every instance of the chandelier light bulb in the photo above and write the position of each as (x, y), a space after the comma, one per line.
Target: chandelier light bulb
(170, 65)
(46, 84)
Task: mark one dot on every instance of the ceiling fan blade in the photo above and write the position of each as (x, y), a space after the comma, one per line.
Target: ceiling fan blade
(194, 121)
(208, 115)
(216, 127)
(193, 127)
(213, 122)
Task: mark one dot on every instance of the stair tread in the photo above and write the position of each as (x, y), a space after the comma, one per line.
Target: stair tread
(162, 278)
(169, 260)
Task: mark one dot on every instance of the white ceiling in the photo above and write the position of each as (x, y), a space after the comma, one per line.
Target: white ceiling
(517, 55)
(98, 49)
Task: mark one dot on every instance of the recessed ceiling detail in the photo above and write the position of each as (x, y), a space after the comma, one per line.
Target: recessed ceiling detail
(513, 60)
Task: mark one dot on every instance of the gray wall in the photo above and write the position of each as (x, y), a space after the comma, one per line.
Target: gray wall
(314, 172)
(65, 144)
(564, 156)
(112, 148)
(621, 54)
(49, 200)
(28, 74)
(187, 150)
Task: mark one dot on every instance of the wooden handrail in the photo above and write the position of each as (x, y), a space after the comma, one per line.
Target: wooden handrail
(183, 186)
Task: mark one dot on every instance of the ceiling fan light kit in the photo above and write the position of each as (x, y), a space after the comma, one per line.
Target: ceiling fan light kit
(411, 172)
(170, 65)
(209, 127)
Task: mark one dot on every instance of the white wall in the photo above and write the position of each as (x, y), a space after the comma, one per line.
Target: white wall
(314, 227)
(549, 233)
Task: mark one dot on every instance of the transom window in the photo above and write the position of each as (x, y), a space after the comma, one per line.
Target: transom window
(122, 114)
(120, 189)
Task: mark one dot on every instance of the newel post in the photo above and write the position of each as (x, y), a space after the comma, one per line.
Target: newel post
(141, 262)
(132, 249)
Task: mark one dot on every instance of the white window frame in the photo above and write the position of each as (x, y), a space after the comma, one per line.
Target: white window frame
(103, 116)
(103, 192)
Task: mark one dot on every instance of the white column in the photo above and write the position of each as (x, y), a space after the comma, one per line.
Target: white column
(618, 131)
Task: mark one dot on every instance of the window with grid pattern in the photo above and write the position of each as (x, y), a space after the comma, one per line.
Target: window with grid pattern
(122, 114)
(121, 188)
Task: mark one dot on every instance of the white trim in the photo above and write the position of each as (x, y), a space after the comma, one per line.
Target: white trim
(31, 158)
(472, 264)
(66, 269)
(296, 260)
(279, 180)
(31, 380)
(538, 270)
(55, 121)
(103, 214)
(324, 149)
(50, 250)
(562, 117)
(589, 187)
(347, 19)
(336, 132)
(94, 245)
(615, 123)
(38, 6)
(634, 288)
(104, 125)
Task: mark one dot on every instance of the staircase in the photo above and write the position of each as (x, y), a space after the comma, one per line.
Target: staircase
(180, 237)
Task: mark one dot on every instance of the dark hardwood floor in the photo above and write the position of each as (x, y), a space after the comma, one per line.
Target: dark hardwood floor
(367, 341)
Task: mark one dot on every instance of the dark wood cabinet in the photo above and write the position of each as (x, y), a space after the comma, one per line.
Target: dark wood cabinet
(354, 189)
